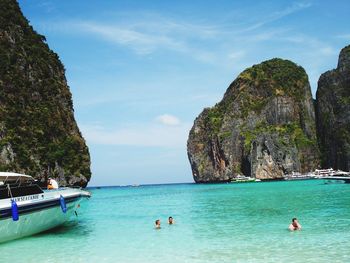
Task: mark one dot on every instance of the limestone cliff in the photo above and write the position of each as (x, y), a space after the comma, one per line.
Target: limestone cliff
(38, 132)
(264, 127)
(333, 114)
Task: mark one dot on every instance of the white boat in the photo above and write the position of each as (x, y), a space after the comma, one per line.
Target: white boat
(26, 209)
(298, 176)
(244, 179)
(330, 172)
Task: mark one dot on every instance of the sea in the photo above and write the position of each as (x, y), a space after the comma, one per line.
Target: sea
(244, 222)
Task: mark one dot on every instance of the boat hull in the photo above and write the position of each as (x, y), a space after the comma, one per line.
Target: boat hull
(37, 217)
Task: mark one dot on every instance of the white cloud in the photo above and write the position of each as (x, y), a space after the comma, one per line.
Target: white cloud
(295, 7)
(139, 40)
(149, 36)
(147, 135)
(312, 43)
(236, 55)
(150, 32)
(344, 36)
(229, 43)
(328, 51)
(168, 119)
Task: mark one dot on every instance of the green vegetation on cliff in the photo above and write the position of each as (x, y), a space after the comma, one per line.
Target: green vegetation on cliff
(333, 114)
(264, 126)
(287, 134)
(278, 77)
(273, 78)
(38, 132)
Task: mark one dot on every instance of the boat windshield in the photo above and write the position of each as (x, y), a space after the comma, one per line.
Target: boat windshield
(15, 185)
(15, 178)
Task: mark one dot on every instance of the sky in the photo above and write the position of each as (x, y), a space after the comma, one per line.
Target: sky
(140, 72)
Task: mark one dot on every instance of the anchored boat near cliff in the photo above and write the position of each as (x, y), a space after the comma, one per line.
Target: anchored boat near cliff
(244, 179)
(26, 209)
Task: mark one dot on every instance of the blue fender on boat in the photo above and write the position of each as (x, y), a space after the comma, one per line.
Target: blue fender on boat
(14, 210)
(63, 204)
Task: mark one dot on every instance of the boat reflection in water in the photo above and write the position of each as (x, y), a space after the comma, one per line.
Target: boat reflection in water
(27, 209)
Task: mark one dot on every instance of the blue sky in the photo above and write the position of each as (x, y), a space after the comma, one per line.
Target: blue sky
(141, 71)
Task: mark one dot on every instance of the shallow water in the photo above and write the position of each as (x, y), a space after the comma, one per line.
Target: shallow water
(214, 223)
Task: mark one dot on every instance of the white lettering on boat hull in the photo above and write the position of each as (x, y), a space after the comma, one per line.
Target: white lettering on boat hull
(26, 198)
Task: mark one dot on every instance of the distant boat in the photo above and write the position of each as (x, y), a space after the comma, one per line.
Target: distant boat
(298, 176)
(332, 175)
(26, 209)
(327, 174)
(244, 179)
(330, 172)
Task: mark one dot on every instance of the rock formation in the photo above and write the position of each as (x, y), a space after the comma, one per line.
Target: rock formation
(38, 132)
(333, 114)
(264, 127)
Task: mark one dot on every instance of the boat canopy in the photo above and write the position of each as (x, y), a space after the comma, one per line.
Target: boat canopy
(8, 177)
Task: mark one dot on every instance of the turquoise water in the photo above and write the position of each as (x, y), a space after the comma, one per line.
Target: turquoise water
(214, 223)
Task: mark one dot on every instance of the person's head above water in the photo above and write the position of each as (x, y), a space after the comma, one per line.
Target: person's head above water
(157, 223)
(170, 220)
(295, 221)
(295, 224)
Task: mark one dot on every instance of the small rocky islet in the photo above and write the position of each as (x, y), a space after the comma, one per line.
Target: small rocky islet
(268, 125)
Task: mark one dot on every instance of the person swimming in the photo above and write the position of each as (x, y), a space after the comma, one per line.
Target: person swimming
(157, 226)
(171, 220)
(294, 225)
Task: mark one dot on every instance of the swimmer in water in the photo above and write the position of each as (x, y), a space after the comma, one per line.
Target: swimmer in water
(294, 225)
(171, 220)
(157, 224)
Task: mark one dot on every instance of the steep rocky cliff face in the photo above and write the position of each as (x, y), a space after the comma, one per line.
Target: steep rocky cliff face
(333, 114)
(264, 127)
(38, 132)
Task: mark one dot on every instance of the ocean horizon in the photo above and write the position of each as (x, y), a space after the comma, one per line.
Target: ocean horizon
(138, 185)
(213, 223)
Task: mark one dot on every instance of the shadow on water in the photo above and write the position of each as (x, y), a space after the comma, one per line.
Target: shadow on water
(76, 228)
(69, 229)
